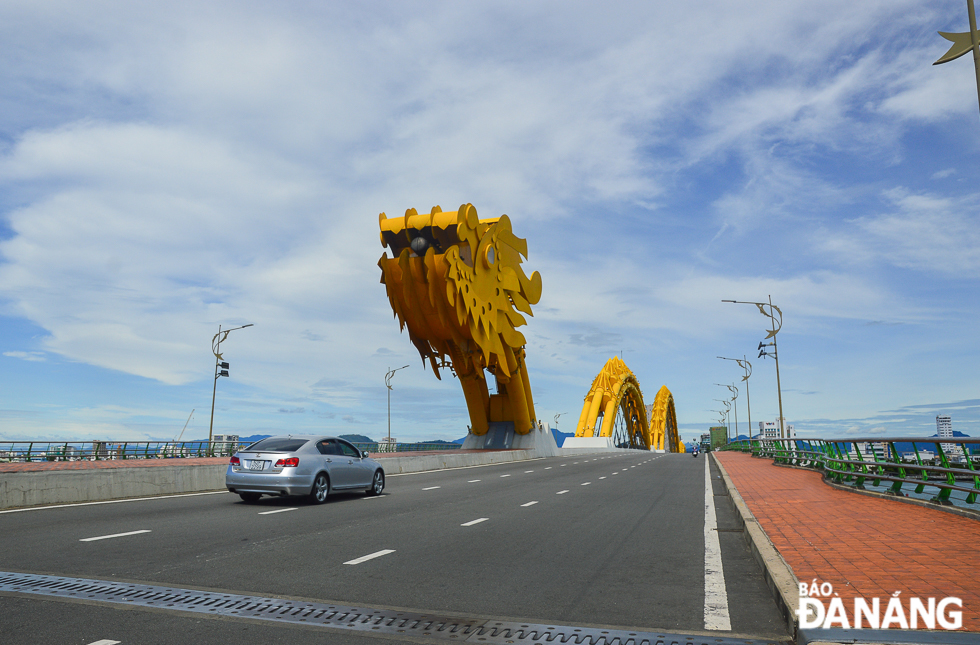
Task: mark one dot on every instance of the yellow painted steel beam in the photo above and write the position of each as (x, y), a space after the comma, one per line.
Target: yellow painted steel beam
(615, 388)
(456, 282)
(663, 423)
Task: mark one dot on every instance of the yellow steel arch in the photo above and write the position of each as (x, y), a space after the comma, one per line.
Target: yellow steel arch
(456, 282)
(663, 423)
(615, 391)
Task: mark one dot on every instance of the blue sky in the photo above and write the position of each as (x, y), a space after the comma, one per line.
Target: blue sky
(166, 169)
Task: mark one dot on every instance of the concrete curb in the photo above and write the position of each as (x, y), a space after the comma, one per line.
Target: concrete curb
(42, 488)
(779, 576)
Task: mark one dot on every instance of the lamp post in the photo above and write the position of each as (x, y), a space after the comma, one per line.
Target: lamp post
(747, 366)
(391, 372)
(734, 391)
(964, 42)
(772, 314)
(728, 408)
(220, 369)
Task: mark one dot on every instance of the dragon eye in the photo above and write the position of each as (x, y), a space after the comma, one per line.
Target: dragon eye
(419, 245)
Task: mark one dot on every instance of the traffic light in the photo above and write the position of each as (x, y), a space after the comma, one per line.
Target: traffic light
(224, 369)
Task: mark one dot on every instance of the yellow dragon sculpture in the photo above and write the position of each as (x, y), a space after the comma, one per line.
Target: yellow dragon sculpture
(457, 283)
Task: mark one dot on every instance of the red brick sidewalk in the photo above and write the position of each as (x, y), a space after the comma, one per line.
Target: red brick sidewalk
(864, 546)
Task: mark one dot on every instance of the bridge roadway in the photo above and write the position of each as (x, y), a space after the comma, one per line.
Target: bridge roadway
(605, 539)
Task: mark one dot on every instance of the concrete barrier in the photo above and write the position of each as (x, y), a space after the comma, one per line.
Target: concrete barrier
(44, 487)
(37, 488)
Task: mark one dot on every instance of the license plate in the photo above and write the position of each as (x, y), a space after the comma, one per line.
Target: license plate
(256, 465)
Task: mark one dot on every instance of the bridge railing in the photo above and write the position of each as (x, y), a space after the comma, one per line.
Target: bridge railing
(945, 466)
(27, 451)
(24, 451)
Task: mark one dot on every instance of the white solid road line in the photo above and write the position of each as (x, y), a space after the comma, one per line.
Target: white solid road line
(529, 504)
(114, 535)
(561, 492)
(281, 510)
(482, 519)
(365, 558)
(716, 616)
(432, 487)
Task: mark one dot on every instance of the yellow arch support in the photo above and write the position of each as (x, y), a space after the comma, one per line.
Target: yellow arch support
(456, 282)
(615, 390)
(663, 423)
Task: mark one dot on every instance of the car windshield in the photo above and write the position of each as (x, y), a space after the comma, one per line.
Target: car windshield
(277, 444)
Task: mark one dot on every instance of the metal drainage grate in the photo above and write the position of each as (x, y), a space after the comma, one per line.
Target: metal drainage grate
(342, 617)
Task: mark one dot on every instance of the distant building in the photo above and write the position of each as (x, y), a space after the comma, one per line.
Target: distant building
(226, 442)
(770, 429)
(944, 428)
(924, 455)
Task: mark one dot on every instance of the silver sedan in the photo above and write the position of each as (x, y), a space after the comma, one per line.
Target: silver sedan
(310, 465)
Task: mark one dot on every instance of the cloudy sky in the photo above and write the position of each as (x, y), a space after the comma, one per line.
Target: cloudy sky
(166, 168)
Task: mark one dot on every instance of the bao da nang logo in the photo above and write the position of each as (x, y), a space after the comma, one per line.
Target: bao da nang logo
(821, 607)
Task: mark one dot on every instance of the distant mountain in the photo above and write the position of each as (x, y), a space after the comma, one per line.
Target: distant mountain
(357, 438)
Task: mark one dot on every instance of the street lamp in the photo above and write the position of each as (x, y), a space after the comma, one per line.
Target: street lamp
(747, 366)
(728, 408)
(773, 313)
(220, 369)
(734, 391)
(964, 42)
(391, 372)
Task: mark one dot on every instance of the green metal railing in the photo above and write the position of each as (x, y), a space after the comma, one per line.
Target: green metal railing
(25, 451)
(947, 466)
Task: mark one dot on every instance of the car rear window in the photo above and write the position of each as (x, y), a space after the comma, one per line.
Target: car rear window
(277, 444)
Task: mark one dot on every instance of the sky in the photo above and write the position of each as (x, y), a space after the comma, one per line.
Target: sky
(169, 168)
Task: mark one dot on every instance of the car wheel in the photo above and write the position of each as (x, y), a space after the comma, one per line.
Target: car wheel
(321, 488)
(250, 498)
(377, 484)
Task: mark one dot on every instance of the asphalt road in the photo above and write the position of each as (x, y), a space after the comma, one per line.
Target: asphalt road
(593, 540)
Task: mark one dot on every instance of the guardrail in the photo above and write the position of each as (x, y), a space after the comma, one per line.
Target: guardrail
(24, 451)
(946, 465)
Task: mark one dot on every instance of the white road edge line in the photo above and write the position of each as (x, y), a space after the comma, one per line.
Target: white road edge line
(716, 616)
(528, 504)
(371, 556)
(114, 535)
(432, 487)
(482, 519)
(281, 510)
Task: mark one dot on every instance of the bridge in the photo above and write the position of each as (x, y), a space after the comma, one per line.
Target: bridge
(617, 537)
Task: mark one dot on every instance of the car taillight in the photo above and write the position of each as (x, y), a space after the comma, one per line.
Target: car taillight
(235, 461)
(291, 462)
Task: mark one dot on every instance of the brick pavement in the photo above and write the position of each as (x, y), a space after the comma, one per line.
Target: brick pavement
(864, 546)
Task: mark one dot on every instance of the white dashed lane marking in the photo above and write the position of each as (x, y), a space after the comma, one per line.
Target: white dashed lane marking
(471, 523)
(586, 483)
(280, 510)
(505, 475)
(114, 535)
(432, 487)
(472, 481)
(529, 504)
(371, 556)
(561, 492)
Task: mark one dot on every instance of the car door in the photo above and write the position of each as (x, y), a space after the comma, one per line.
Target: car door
(335, 463)
(361, 472)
